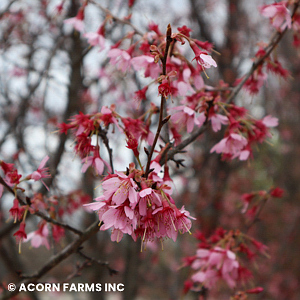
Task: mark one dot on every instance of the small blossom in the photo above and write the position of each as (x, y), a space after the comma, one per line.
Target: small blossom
(233, 144)
(20, 235)
(217, 120)
(96, 162)
(270, 121)
(120, 58)
(96, 38)
(39, 237)
(202, 58)
(164, 88)
(277, 192)
(41, 172)
(77, 22)
(185, 116)
(16, 211)
(278, 14)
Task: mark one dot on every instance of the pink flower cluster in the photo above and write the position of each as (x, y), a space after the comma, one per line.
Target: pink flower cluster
(219, 259)
(215, 264)
(85, 126)
(279, 15)
(242, 133)
(140, 207)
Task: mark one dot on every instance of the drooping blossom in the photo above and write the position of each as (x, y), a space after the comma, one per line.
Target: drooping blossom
(217, 120)
(39, 237)
(41, 172)
(20, 235)
(16, 211)
(202, 58)
(185, 117)
(77, 21)
(121, 187)
(233, 145)
(278, 14)
(254, 83)
(164, 88)
(215, 264)
(141, 62)
(12, 176)
(95, 161)
(96, 38)
(120, 58)
(140, 207)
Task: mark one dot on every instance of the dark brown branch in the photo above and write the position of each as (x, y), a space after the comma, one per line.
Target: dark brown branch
(103, 135)
(98, 262)
(55, 260)
(162, 101)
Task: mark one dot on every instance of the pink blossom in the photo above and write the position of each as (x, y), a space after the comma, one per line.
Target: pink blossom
(96, 162)
(95, 39)
(77, 22)
(120, 58)
(16, 211)
(270, 121)
(41, 172)
(165, 88)
(39, 237)
(119, 217)
(233, 144)
(141, 62)
(183, 222)
(121, 187)
(278, 14)
(20, 235)
(97, 205)
(140, 207)
(166, 218)
(217, 120)
(148, 198)
(202, 58)
(187, 116)
(215, 264)
(108, 117)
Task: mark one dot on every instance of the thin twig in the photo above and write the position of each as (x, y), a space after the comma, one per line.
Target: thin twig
(55, 260)
(101, 263)
(115, 18)
(38, 213)
(268, 49)
(162, 101)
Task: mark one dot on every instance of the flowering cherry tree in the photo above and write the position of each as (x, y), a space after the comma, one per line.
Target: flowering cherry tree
(105, 116)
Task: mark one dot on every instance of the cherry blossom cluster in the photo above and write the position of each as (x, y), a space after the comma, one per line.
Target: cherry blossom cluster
(140, 207)
(12, 179)
(219, 259)
(52, 206)
(87, 126)
(259, 77)
(242, 133)
(281, 17)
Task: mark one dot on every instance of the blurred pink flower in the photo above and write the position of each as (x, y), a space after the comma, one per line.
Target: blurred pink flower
(39, 237)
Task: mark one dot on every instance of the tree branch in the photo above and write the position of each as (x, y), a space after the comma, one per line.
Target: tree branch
(55, 260)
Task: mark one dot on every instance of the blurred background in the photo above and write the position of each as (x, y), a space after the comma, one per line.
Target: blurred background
(48, 73)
